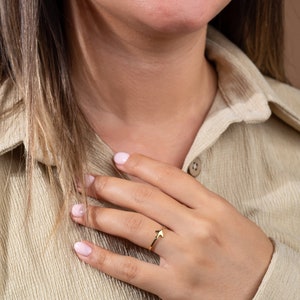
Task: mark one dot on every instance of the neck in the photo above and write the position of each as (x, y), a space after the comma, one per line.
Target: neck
(133, 78)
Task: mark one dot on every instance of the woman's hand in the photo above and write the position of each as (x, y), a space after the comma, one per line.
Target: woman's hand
(207, 249)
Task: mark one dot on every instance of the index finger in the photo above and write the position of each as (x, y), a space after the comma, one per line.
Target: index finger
(167, 178)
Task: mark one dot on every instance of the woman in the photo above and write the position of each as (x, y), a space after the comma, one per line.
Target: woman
(87, 82)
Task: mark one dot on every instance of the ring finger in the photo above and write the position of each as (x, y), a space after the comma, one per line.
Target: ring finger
(132, 226)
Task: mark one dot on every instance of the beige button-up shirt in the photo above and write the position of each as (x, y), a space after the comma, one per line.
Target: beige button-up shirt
(247, 151)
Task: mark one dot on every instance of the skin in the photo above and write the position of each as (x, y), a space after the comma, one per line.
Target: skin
(143, 75)
(225, 254)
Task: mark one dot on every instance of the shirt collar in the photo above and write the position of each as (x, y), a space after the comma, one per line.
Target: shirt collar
(242, 86)
(244, 95)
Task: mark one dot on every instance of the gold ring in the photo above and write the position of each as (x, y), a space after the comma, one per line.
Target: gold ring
(158, 234)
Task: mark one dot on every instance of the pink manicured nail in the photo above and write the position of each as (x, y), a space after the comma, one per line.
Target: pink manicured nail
(78, 210)
(82, 249)
(120, 158)
(88, 180)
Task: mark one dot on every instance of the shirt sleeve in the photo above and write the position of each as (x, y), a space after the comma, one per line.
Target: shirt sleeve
(282, 279)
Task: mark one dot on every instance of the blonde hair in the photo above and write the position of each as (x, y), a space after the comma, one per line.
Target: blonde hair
(34, 57)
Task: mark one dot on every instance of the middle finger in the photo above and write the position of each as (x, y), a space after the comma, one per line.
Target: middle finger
(142, 198)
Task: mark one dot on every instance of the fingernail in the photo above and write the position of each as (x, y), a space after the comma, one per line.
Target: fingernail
(78, 210)
(82, 249)
(88, 180)
(120, 158)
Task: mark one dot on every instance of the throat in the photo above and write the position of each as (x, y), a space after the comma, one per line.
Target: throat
(172, 152)
(168, 142)
(153, 128)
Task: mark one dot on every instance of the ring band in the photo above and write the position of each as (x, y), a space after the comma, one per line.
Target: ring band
(158, 234)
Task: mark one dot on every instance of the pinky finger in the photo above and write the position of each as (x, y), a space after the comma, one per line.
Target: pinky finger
(141, 274)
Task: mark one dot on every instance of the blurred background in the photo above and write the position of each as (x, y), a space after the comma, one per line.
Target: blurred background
(292, 43)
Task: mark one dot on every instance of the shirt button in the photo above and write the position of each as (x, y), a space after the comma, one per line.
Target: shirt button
(194, 167)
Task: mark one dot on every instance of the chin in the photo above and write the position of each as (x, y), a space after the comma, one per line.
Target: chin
(163, 16)
(176, 25)
(171, 16)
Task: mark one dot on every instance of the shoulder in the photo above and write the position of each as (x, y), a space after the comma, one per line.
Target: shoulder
(286, 103)
(244, 87)
(12, 117)
(8, 95)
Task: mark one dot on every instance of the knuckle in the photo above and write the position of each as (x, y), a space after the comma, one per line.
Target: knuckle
(133, 223)
(143, 193)
(102, 260)
(207, 231)
(135, 162)
(94, 217)
(163, 172)
(208, 228)
(223, 208)
(128, 271)
(100, 184)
